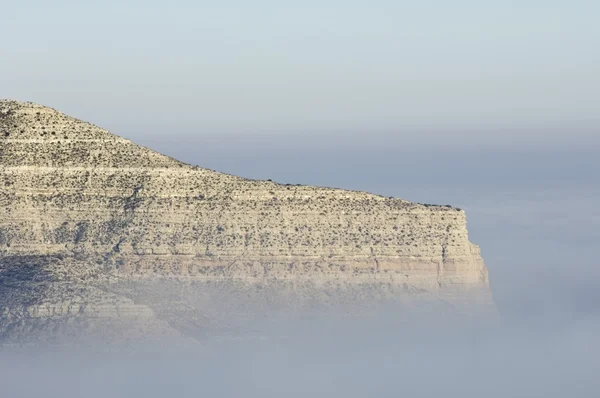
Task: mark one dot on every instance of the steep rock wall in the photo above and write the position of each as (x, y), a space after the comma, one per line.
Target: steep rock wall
(72, 189)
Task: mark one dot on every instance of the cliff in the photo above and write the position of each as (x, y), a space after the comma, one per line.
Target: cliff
(83, 207)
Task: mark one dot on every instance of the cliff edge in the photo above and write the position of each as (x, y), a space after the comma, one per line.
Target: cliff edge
(91, 224)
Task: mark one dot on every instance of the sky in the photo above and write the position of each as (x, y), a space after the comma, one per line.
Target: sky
(425, 73)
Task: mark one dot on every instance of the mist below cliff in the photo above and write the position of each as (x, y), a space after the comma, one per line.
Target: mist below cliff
(329, 359)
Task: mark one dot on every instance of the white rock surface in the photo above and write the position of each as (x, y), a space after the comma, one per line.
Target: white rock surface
(112, 214)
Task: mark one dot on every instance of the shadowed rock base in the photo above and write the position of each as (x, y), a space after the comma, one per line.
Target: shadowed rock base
(47, 299)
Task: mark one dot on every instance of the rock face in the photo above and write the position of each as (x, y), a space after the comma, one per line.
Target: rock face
(84, 208)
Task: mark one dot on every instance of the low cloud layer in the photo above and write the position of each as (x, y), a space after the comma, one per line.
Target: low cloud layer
(379, 357)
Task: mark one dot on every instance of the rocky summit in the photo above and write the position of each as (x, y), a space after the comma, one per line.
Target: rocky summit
(100, 236)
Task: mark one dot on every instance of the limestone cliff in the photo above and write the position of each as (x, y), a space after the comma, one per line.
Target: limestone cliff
(78, 203)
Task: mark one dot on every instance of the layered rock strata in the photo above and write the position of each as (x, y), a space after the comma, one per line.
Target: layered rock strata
(77, 194)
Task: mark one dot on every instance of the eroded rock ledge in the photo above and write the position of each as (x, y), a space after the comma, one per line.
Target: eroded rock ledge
(82, 205)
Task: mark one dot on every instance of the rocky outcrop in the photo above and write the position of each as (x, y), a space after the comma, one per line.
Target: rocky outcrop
(110, 213)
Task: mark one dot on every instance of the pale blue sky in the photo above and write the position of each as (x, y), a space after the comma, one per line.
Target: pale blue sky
(504, 72)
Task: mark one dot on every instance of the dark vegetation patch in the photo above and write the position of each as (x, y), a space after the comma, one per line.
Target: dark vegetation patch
(6, 114)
